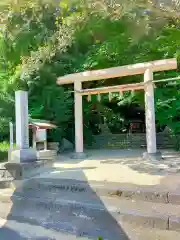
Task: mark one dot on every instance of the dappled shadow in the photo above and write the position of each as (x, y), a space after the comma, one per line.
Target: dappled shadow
(170, 163)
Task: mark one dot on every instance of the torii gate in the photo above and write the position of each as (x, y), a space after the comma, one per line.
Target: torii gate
(146, 68)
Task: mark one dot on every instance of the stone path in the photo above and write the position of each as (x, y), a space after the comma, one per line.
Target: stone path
(55, 200)
(125, 167)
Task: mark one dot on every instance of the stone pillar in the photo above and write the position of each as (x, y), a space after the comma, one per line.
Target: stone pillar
(22, 128)
(150, 116)
(45, 145)
(11, 135)
(78, 111)
(22, 152)
(34, 137)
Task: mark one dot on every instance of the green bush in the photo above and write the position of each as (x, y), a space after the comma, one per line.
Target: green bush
(4, 147)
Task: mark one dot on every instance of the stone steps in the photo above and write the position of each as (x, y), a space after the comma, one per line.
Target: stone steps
(15, 230)
(86, 214)
(121, 191)
(90, 209)
(11, 229)
(62, 216)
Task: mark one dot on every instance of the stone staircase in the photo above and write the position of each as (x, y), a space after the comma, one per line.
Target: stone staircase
(89, 209)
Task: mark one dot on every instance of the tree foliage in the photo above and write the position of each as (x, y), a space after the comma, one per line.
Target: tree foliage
(41, 40)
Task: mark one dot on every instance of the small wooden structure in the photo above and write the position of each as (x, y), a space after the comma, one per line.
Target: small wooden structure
(39, 129)
(136, 126)
(147, 69)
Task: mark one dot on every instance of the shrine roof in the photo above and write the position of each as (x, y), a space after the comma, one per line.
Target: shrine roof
(41, 124)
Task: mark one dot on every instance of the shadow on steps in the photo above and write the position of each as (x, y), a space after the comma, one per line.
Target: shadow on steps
(35, 207)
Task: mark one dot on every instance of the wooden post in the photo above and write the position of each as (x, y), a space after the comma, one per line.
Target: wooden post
(45, 145)
(45, 142)
(150, 113)
(78, 117)
(11, 135)
(34, 138)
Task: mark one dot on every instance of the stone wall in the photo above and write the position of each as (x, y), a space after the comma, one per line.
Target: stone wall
(125, 141)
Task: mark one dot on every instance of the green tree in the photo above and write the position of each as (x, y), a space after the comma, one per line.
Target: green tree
(41, 40)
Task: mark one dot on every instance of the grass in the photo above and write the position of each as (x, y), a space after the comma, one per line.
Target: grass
(4, 147)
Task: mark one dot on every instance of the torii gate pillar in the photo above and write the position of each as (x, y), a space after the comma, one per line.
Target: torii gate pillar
(78, 114)
(150, 117)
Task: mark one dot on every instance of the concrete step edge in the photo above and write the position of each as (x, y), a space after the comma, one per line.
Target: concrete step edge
(71, 228)
(65, 222)
(144, 193)
(132, 231)
(155, 215)
(35, 231)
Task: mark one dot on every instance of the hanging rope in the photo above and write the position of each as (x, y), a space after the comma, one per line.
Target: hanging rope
(167, 79)
(164, 80)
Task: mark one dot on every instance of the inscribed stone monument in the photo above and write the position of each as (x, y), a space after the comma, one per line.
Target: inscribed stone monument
(22, 152)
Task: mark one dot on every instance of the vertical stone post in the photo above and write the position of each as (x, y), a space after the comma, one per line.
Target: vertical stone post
(150, 116)
(34, 137)
(22, 152)
(22, 128)
(11, 135)
(78, 111)
(45, 142)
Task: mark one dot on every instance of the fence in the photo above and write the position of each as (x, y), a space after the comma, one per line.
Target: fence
(134, 140)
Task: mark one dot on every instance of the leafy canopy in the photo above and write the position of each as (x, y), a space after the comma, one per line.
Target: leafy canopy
(41, 40)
